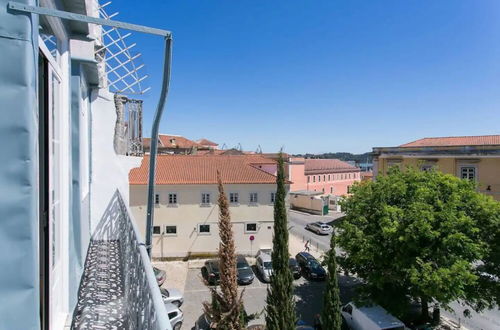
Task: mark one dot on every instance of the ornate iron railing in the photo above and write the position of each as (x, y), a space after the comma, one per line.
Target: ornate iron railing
(118, 289)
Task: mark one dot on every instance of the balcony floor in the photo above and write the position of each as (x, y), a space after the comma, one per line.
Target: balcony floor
(101, 298)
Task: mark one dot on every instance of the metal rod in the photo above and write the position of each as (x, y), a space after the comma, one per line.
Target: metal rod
(85, 19)
(154, 142)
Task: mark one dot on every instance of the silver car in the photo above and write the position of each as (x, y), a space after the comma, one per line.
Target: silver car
(320, 228)
(173, 296)
(264, 265)
(175, 316)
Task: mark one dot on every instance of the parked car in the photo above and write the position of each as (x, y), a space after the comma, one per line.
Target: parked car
(264, 265)
(310, 267)
(175, 316)
(173, 296)
(245, 273)
(211, 271)
(370, 318)
(160, 275)
(320, 228)
(294, 267)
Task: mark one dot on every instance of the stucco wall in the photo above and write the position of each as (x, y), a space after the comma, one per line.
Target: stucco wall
(189, 212)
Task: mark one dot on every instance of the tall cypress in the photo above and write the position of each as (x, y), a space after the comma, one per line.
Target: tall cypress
(226, 306)
(280, 302)
(331, 318)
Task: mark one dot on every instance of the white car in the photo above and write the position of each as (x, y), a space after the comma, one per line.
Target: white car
(320, 228)
(173, 296)
(370, 318)
(264, 265)
(175, 316)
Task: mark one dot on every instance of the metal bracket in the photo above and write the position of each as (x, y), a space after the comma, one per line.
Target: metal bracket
(85, 19)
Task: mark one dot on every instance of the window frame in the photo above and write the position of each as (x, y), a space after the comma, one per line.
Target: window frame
(252, 200)
(157, 199)
(170, 234)
(203, 203)
(272, 197)
(159, 230)
(468, 166)
(234, 193)
(173, 193)
(251, 231)
(198, 229)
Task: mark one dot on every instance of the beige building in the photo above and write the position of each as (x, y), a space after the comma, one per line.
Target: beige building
(186, 211)
(468, 157)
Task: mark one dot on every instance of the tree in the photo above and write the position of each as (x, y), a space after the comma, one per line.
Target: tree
(428, 237)
(330, 317)
(280, 302)
(225, 310)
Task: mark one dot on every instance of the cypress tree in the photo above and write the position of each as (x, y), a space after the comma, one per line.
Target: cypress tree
(226, 306)
(280, 302)
(331, 318)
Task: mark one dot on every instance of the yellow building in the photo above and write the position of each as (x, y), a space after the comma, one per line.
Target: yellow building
(468, 157)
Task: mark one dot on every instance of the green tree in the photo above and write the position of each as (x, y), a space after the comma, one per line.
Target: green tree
(225, 310)
(280, 302)
(422, 236)
(331, 318)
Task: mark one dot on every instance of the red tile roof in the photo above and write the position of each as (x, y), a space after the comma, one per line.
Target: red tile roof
(172, 141)
(315, 166)
(455, 141)
(206, 142)
(202, 169)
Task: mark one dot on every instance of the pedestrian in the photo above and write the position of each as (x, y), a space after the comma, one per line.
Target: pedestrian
(306, 247)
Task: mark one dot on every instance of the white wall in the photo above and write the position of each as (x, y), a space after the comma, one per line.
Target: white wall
(189, 213)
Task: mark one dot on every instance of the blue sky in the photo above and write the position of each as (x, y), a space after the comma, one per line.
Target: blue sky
(320, 76)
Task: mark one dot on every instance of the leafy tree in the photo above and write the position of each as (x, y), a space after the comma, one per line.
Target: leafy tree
(427, 237)
(330, 317)
(225, 310)
(280, 302)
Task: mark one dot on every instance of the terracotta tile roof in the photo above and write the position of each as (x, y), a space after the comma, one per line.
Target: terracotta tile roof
(172, 141)
(368, 174)
(316, 166)
(455, 141)
(206, 142)
(202, 169)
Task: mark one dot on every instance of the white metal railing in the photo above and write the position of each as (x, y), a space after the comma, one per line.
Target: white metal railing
(118, 289)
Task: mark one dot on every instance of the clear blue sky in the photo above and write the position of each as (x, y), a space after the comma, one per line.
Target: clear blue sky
(319, 76)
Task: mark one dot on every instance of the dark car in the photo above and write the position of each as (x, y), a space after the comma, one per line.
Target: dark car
(160, 275)
(294, 267)
(211, 271)
(311, 268)
(245, 273)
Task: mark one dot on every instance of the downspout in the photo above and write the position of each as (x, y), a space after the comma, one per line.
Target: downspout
(154, 142)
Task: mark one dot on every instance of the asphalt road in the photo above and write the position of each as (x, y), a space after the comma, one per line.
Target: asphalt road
(488, 320)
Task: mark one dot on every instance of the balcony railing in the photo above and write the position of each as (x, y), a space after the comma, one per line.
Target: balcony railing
(118, 289)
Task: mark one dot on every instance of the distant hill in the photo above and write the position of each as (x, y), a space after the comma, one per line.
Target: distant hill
(358, 158)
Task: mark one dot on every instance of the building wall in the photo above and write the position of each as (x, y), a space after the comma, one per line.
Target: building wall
(189, 213)
(337, 185)
(296, 176)
(488, 168)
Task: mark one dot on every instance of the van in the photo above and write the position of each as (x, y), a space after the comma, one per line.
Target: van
(370, 318)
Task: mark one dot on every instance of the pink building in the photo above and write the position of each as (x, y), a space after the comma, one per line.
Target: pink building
(329, 176)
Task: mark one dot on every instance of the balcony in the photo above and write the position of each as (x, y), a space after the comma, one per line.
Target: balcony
(118, 289)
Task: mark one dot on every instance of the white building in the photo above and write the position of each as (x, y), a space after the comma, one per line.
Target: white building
(69, 252)
(186, 211)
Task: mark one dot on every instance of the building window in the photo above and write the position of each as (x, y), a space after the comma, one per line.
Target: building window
(172, 198)
(324, 177)
(156, 230)
(348, 189)
(205, 198)
(203, 229)
(468, 172)
(331, 190)
(171, 230)
(157, 199)
(273, 197)
(253, 198)
(319, 178)
(329, 177)
(234, 198)
(251, 227)
(314, 178)
(308, 179)
(426, 168)
(323, 189)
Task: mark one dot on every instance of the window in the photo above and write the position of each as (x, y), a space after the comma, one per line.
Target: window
(468, 172)
(348, 189)
(426, 168)
(314, 178)
(324, 177)
(157, 199)
(171, 230)
(172, 198)
(203, 229)
(253, 198)
(273, 197)
(172, 315)
(234, 198)
(319, 178)
(328, 177)
(156, 230)
(323, 189)
(250, 227)
(205, 198)
(331, 190)
(308, 179)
